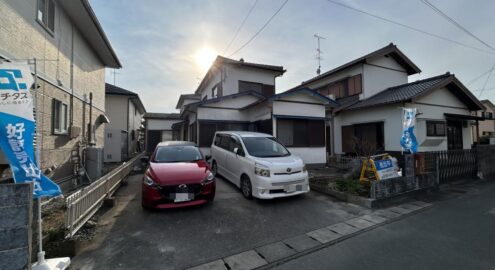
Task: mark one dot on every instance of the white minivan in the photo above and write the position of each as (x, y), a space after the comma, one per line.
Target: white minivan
(258, 164)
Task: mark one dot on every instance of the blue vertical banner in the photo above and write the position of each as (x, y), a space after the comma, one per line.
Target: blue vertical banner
(408, 139)
(17, 128)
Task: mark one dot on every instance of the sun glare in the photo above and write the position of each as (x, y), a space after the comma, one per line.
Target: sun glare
(204, 57)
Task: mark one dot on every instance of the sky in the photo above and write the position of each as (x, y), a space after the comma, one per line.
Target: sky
(165, 46)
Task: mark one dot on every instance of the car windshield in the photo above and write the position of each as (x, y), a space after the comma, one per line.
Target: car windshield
(264, 147)
(169, 154)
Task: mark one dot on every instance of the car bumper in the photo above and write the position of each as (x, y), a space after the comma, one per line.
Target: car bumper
(280, 186)
(152, 197)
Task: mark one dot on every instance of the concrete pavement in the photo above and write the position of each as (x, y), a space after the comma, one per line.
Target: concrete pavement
(458, 232)
(132, 238)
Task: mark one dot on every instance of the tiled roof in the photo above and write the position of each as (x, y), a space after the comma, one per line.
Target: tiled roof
(162, 115)
(115, 90)
(400, 93)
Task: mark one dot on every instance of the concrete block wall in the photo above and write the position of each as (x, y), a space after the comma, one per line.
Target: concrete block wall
(16, 206)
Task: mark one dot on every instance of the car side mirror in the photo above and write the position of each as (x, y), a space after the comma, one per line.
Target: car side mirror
(236, 150)
(145, 159)
(207, 157)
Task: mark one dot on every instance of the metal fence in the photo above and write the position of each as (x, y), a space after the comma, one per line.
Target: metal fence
(83, 204)
(344, 162)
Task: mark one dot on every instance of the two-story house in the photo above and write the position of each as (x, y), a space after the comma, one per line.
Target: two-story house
(71, 52)
(486, 128)
(373, 89)
(125, 111)
(239, 95)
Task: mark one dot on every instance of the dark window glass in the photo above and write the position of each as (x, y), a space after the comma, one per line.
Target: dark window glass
(435, 128)
(207, 130)
(264, 147)
(250, 86)
(46, 14)
(169, 154)
(225, 142)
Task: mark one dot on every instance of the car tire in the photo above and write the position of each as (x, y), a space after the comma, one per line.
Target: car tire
(214, 168)
(246, 187)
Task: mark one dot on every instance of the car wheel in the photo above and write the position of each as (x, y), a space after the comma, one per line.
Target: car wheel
(246, 187)
(214, 168)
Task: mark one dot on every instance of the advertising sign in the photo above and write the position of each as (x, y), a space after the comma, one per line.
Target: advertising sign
(408, 140)
(17, 128)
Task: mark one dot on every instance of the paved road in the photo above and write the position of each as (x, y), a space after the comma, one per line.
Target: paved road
(458, 232)
(132, 238)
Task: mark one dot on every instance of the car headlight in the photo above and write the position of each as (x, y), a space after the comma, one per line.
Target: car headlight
(261, 170)
(209, 178)
(148, 181)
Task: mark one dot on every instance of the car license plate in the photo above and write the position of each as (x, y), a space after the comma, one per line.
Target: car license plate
(291, 188)
(183, 197)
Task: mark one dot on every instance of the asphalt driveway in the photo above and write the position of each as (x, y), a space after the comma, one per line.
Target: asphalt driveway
(132, 238)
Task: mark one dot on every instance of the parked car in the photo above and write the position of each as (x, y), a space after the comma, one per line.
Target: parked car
(258, 164)
(178, 175)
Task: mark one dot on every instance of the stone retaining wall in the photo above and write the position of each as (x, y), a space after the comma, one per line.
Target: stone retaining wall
(16, 206)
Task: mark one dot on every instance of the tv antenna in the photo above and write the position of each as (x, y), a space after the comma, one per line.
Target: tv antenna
(318, 53)
(114, 73)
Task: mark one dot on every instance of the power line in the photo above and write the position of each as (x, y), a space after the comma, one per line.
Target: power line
(486, 81)
(479, 77)
(410, 27)
(454, 22)
(240, 27)
(261, 29)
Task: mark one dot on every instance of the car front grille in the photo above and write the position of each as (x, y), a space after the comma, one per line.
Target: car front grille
(277, 184)
(190, 188)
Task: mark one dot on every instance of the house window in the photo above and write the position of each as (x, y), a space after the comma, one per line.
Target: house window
(435, 128)
(250, 86)
(342, 88)
(487, 115)
(207, 130)
(301, 132)
(46, 14)
(214, 91)
(59, 117)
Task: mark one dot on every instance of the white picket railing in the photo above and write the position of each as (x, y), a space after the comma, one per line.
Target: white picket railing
(83, 204)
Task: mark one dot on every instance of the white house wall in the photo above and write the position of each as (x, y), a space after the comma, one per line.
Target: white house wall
(234, 74)
(380, 74)
(449, 103)
(221, 114)
(160, 124)
(358, 69)
(206, 90)
(390, 116)
(310, 155)
(298, 109)
(115, 109)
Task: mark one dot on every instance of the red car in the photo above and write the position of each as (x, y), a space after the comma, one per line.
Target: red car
(178, 175)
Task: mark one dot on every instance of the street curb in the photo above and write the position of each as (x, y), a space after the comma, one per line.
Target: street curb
(340, 239)
(412, 211)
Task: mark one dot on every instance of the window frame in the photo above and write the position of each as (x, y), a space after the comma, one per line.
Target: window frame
(435, 131)
(60, 113)
(252, 83)
(46, 11)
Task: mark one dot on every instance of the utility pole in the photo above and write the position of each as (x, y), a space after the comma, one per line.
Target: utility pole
(318, 53)
(114, 75)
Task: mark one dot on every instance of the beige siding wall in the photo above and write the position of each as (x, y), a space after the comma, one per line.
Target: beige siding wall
(22, 37)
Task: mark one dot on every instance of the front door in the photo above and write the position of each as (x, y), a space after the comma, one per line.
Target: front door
(454, 135)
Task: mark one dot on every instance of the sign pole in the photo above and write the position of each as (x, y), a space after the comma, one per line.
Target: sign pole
(41, 254)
